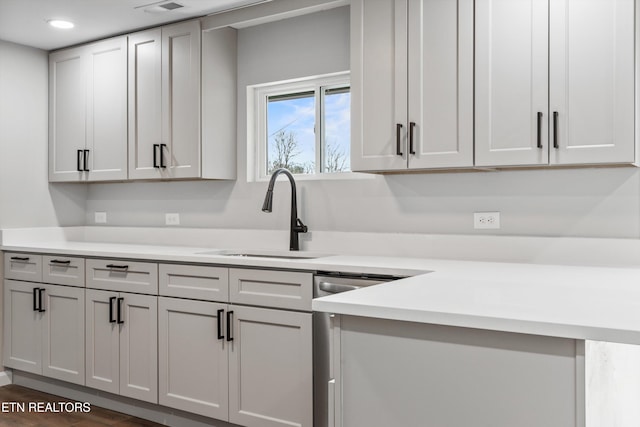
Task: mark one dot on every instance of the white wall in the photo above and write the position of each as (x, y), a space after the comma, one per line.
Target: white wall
(598, 202)
(26, 198)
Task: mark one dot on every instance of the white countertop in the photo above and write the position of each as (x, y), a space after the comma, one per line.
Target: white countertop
(593, 303)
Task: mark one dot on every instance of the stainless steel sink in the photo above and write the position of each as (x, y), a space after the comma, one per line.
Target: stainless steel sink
(266, 254)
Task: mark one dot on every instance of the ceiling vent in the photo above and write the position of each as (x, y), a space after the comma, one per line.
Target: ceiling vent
(160, 7)
(170, 6)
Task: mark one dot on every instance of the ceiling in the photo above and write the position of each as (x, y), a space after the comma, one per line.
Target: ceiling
(25, 21)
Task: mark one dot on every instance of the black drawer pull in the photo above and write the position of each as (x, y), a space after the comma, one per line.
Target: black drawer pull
(539, 130)
(19, 258)
(40, 292)
(220, 313)
(120, 301)
(555, 130)
(35, 299)
(79, 161)
(121, 267)
(86, 160)
(111, 301)
(162, 147)
(229, 325)
(155, 155)
(60, 261)
(412, 150)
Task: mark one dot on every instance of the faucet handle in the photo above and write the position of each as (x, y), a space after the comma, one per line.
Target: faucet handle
(300, 227)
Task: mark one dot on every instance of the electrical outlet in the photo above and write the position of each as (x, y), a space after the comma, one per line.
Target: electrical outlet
(486, 220)
(100, 217)
(172, 219)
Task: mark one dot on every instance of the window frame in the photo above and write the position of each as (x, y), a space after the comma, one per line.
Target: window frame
(257, 105)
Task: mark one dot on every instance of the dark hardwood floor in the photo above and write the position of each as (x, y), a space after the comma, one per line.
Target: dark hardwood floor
(14, 411)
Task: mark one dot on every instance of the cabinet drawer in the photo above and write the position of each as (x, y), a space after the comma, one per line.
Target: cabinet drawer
(63, 270)
(20, 266)
(192, 281)
(122, 275)
(268, 288)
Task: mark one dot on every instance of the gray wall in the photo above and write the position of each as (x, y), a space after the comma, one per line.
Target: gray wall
(599, 202)
(26, 199)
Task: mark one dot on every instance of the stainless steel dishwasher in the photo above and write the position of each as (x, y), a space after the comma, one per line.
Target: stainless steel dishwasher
(325, 284)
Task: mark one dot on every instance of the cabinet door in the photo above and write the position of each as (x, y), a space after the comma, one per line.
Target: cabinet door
(270, 368)
(107, 110)
(181, 99)
(139, 347)
(592, 81)
(102, 341)
(440, 83)
(63, 333)
(145, 104)
(193, 361)
(22, 327)
(378, 85)
(67, 109)
(511, 62)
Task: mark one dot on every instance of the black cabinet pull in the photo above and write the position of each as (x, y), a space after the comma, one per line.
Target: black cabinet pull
(121, 267)
(220, 313)
(229, 325)
(162, 147)
(120, 301)
(398, 142)
(19, 258)
(155, 155)
(539, 130)
(111, 301)
(40, 292)
(79, 161)
(412, 125)
(86, 160)
(60, 261)
(555, 130)
(35, 299)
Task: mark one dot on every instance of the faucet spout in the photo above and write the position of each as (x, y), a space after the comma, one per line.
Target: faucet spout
(296, 225)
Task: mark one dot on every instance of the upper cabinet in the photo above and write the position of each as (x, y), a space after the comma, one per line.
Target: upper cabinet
(164, 102)
(442, 84)
(412, 84)
(555, 82)
(88, 112)
(158, 104)
(178, 79)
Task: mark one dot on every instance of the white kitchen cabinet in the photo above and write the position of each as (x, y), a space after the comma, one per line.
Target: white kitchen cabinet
(270, 368)
(182, 91)
(88, 112)
(412, 84)
(592, 81)
(164, 102)
(44, 330)
(250, 366)
(193, 358)
(554, 82)
(122, 344)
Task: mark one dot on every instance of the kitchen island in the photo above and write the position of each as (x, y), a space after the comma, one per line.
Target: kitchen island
(489, 344)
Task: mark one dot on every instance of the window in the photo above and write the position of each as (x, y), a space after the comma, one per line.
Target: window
(302, 125)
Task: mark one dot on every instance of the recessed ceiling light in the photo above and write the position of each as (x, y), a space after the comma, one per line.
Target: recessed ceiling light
(59, 23)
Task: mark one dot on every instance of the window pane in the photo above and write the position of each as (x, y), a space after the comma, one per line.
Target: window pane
(337, 130)
(290, 130)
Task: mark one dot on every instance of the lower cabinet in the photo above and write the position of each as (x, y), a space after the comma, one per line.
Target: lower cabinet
(270, 368)
(122, 344)
(246, 365)
(44, 330)
(193, 358)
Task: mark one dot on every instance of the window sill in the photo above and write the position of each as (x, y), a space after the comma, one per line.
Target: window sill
(340, 176)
